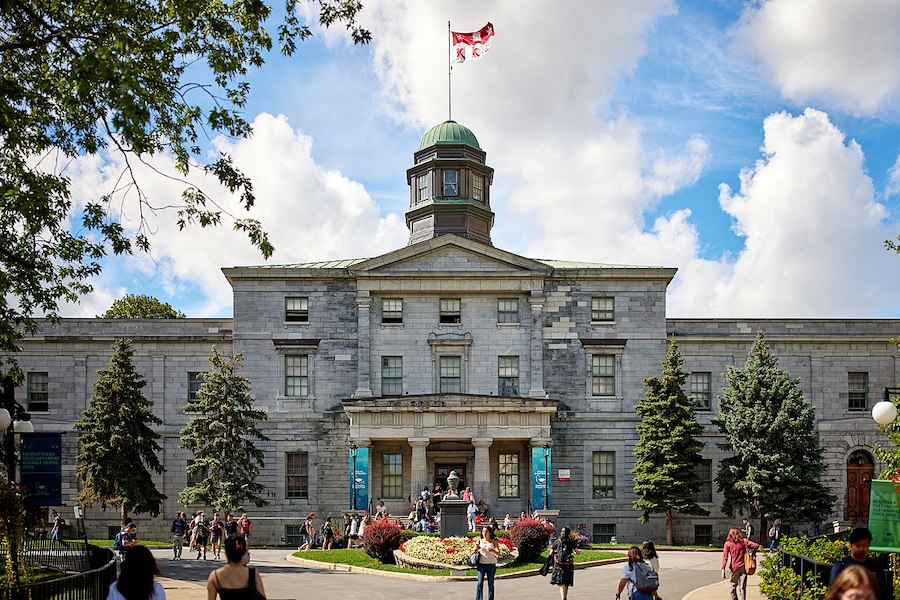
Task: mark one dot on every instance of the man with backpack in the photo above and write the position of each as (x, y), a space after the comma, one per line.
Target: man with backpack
(125, 539)
(327, 534)
(56, 534)
(639, 577)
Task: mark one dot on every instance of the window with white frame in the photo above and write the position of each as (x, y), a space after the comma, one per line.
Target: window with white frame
(603, 375)
(478, 187)
(423, 188)
(392, 476)
(704, 472)
(701, 389)
(509, 475)
(392, 310)
(602, 308)
(391, 375)
(296, 309)
(508, 310)
(38, 384)
(604, 474)
(450, 376)
(296, 375)
(450, 310)
(296, 475)
(451, 183)
(857, 391)
(508, 375)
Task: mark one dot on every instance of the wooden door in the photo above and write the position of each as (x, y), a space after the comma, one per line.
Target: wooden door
(859, 487)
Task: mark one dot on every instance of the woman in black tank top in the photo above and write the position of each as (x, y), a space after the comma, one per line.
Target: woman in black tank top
(235, 581)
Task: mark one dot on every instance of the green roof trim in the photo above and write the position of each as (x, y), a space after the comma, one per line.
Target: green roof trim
(449, 132)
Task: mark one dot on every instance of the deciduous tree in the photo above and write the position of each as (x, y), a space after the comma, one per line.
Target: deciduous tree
(141, 307)
(668, 448)
(117, 448)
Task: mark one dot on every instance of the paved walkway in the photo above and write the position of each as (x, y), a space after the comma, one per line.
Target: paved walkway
(684, 575)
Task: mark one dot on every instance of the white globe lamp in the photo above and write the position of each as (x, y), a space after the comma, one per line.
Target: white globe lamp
(884, 412)
(23, 427)
(5, 419)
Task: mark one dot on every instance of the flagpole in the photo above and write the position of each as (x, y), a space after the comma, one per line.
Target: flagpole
(449, 70)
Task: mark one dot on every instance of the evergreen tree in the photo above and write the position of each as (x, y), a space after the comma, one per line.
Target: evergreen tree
(221, 437)
(117, 447)
(668, 451)
(771, 428)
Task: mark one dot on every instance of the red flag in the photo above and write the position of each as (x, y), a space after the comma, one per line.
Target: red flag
(472, 46)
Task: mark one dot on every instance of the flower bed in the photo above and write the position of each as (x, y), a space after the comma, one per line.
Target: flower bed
(446, 553)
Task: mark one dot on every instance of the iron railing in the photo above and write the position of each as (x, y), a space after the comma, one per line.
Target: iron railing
(92, 569)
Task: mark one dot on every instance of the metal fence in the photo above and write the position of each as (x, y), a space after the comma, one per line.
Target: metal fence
(92, 571)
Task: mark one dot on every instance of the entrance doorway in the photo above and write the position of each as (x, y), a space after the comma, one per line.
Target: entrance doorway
(441, 471)
(860, 470)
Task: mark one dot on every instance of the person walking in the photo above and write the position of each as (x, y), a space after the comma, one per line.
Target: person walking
(216, 532)
(775, 535)
(245, 527)
(733, 556)
(309, 533)
(179, 527)
(563, 550)
(648, 551)
(855, 582)
(234, 581)
(860, 540)
(136, 580)
(471, 512)
(56, 534)
(634, 575)
(488, 549)
(748, 528)
(202, 527)
(231, 525)
(327, 534)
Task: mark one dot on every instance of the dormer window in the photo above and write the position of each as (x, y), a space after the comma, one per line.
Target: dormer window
(478, 188)
(423, 189)
(451, 184)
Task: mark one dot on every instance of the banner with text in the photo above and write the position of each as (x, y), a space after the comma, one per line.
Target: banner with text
(359, 479)
(884, 516)
(41, 468)
(540, 478)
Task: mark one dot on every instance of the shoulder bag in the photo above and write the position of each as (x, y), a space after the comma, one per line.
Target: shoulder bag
(749, 561)
(254, 594)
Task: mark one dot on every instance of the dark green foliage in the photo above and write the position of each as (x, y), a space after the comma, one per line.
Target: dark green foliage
(778, 582)
(126, 81)
(408, 534)
(777, 461)
(222, 436)
(380, 539)
(117, 447)
(890, 455)
(530, 536)
(668, 448)
(141, 307)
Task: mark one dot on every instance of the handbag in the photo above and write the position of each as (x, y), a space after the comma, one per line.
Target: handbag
(475, 559)
(255, 594)
(749, 563)
(545, 568)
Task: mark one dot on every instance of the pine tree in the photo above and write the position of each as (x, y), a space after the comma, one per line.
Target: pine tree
(668, 451)
(117, 447)
(221, 437)
(771, 429)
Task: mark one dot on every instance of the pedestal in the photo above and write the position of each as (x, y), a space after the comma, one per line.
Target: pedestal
(453, 518)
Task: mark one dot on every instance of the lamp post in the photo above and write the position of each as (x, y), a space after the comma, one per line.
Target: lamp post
(546, 476)
(13, 419)
(353, 452)
(885, 412)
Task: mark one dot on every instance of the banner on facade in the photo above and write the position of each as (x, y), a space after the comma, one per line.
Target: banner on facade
(40, 468)
(884, 515)
(359, 479)
(540, 478)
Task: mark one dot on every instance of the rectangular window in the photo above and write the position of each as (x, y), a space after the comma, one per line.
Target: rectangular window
(604, 470)
(38, 397)
(293, 535)
(296, 475)
(508, 376)
(392, 310)
(391, 375)
(604, 533)
(195, 380)
(451, 310)
(451, 184)
(509, 475)
(478, 188)
(296, 310)
(508, 310)
(701, 390)
(392, 476)
(858, 391)
(296, 375)
(450, 374)
(704, 472)
(423, 189)
(602, 309)
(603, 375)
(195, 477)
(703, 535)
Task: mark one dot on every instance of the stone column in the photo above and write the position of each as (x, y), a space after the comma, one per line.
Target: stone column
(419, 468)
(537, 346)
(363, 385)
(481, 487)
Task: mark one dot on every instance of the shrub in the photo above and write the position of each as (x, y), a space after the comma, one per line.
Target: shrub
(408, 534)
(778, 582)
(380, 539)
(531, 537)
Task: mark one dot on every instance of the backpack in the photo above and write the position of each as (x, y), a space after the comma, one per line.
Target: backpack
(772, 531)
(425, 495)
(117, 542)
(646, 580)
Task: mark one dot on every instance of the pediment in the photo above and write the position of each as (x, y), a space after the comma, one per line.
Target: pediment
(449, 254)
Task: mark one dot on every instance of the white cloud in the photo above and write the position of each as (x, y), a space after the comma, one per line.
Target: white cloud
(893, 185)
(834, 51)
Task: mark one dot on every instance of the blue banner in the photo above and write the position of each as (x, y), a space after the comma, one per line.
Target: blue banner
(540, 478)
(359, 479)
(41, 468)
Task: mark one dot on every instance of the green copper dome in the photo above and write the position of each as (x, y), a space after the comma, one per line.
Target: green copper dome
(449, 132)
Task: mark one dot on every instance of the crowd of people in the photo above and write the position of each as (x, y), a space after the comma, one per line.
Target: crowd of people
(204, 535)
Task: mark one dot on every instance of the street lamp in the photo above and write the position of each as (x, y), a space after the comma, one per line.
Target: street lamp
(885, 412)
(546, 476)
(354, 450)
(13, 419)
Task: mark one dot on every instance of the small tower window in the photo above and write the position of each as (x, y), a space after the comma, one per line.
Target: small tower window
(451, 183)
(423, 189)
(478, 188)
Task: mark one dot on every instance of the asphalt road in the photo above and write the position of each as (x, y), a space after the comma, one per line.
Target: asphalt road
(680, 572)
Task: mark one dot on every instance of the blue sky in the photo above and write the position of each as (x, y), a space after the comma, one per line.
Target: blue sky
(752, 145)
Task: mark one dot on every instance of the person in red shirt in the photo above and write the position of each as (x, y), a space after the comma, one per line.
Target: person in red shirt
(733, 556)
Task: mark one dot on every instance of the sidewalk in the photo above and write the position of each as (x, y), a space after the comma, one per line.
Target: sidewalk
(721, 591)
(182, 590)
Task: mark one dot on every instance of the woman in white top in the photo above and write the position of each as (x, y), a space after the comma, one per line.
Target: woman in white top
(136, 579)
(488, 551)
